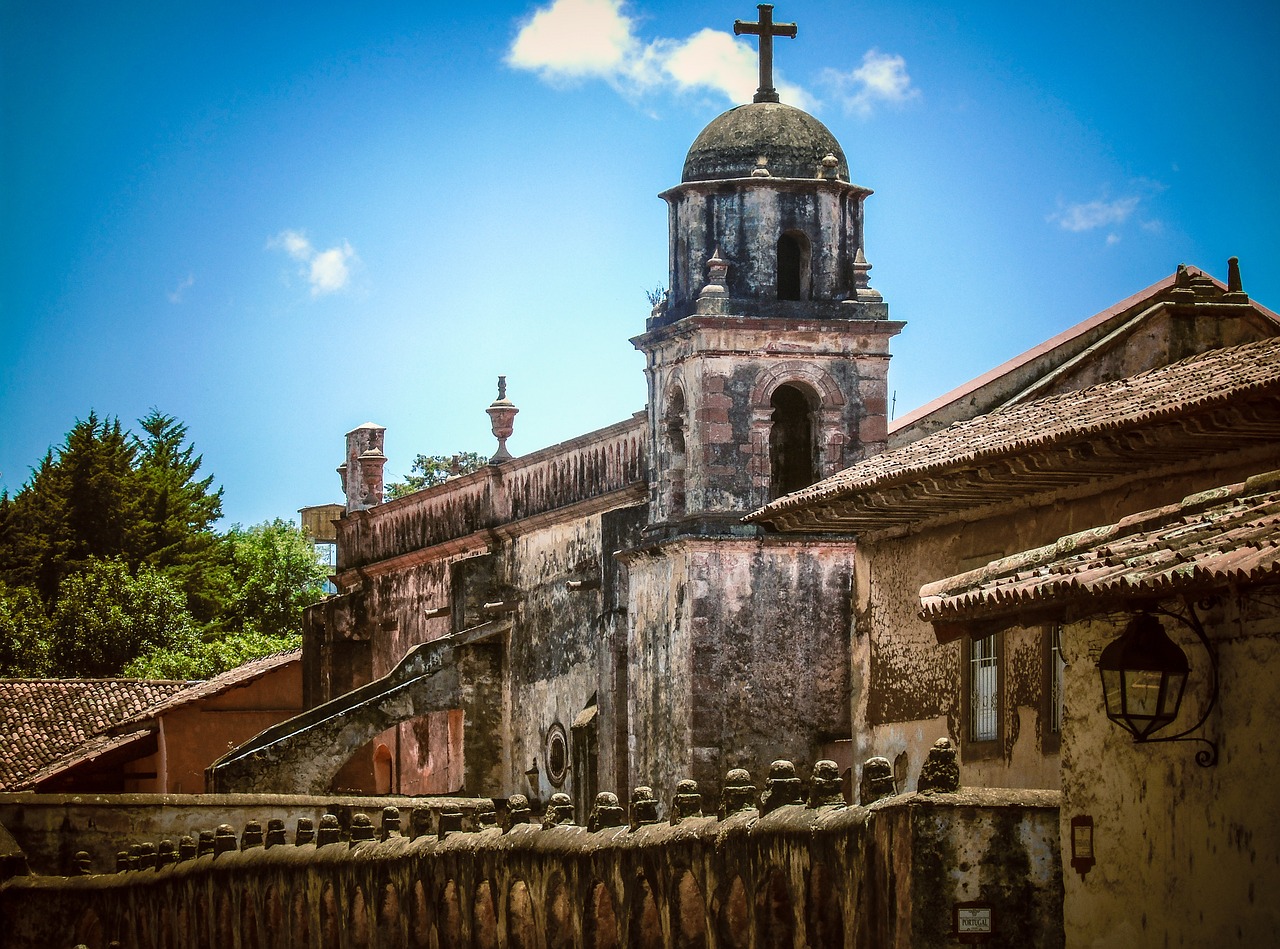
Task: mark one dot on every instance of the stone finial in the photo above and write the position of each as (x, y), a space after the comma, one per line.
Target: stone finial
(877, 781)
(187, 849)
(559, 811)
(761, 170)
(252, 836)
(1182, 278)
(83, 865)
(830, 167)
(135, 856)
(205, 843)
(166, 854)
(342, 476)
(782, 787)
(502, 415)
(304, 832)
(371, 462)
(419, 822)
(644, 807)
(687, 801)
(486, 815)
(362, 828)
(739, 793)
(450, 822)
(940, 771)
(713, 298)
(606, 812)
(275, 833)
(390, 822)
(862, 290)
(825, 787)
(147, 856)
(122, 861)
(1235, 286)
(517, 810)
(330, 831)
(224, 840)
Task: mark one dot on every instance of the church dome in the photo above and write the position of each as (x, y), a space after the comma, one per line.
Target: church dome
(792, 142)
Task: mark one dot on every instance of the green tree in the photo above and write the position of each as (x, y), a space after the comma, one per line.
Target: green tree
(274, 575)
(79, 505)
(106, 616)
(176, 513)
(430, 470)
(25, 648)
(208, 658)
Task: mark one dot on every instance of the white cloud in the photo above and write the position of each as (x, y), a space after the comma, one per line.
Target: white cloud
(579, 39)
(1112, 239)
(1088, 215)
(882, 79)
(327, 271)
(575, 38)
(186, 283)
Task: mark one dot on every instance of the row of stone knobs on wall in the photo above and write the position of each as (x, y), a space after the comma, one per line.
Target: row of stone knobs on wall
(783, 787)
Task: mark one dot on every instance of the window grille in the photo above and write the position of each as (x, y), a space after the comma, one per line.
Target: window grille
(1056, 667)
(984, 698)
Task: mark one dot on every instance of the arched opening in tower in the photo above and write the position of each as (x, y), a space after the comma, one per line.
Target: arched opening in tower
(793, 266)
(791, 456)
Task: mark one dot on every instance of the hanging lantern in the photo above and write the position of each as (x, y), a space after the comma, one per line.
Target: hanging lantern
(1143, 676)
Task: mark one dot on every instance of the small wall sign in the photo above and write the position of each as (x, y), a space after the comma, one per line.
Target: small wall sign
(973, 922)
(1082, 844)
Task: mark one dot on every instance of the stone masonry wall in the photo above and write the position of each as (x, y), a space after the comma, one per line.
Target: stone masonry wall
(887, 875)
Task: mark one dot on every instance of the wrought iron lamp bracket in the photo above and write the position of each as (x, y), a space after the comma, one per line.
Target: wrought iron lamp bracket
(1206, 757)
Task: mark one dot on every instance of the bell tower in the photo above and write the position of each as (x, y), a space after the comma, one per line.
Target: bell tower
(767, 371)
(767, 361)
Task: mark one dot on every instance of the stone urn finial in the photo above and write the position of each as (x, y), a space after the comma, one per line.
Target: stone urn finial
(502, 414)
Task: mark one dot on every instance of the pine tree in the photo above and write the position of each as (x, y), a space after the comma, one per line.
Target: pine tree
(177, 512)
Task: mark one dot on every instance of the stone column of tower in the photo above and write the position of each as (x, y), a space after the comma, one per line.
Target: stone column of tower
(767, 371)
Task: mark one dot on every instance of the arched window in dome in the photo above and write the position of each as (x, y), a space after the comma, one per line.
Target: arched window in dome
(792, 456)
(793, 266)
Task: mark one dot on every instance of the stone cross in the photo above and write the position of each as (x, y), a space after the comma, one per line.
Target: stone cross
(766, 29)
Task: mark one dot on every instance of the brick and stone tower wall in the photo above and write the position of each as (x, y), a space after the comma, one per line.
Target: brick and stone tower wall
(767, 362)
(767, 371)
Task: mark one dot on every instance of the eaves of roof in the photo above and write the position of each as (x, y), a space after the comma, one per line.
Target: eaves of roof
(1201, 406)
(1224, 538)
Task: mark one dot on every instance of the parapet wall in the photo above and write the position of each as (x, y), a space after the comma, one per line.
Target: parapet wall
(52, 828)
(877, 877)
(590, 469)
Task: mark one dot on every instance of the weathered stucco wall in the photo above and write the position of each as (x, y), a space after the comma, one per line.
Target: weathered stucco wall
(194, 736)
(562, 650)
(913, 683)
(867, 878)
(739, 652)
(1186, 856)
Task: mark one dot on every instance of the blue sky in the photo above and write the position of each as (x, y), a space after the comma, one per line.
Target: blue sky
(278, 221)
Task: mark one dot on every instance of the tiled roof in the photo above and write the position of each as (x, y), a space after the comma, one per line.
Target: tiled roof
(44, 719)
(240, 675)
(54, 724)
(1019, 378)
(1166, 414)
(1227, 536)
